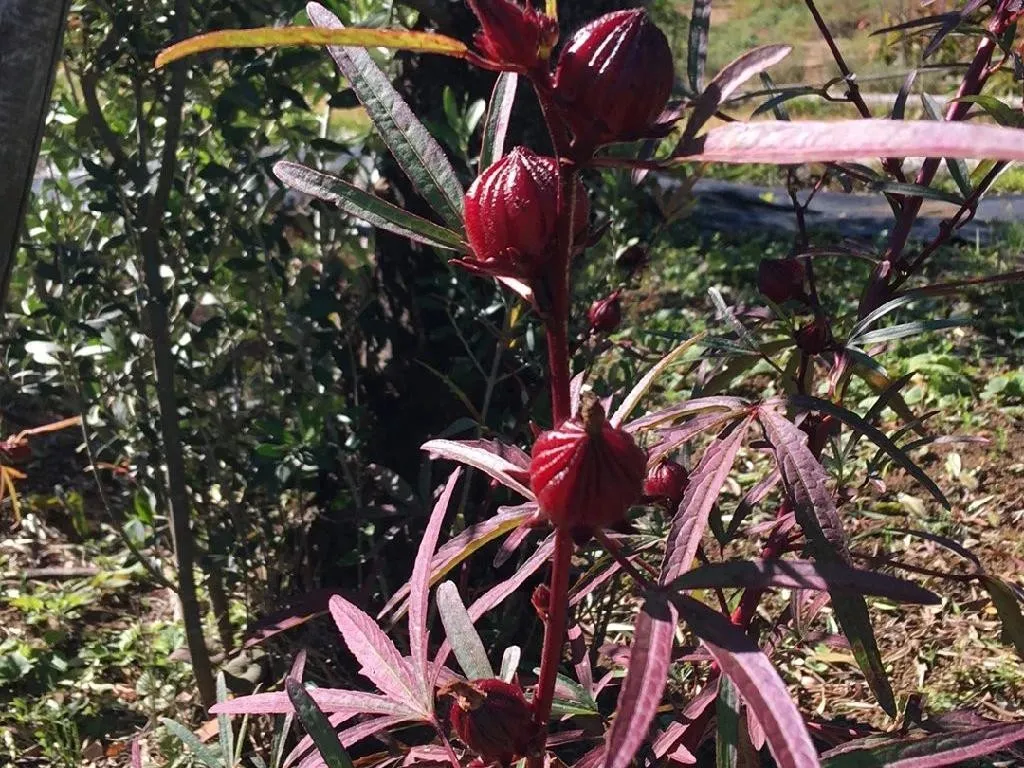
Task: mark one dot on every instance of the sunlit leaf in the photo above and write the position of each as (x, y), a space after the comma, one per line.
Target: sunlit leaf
(953, 748)
(1008, 608)
(462, 636)
(499, 112)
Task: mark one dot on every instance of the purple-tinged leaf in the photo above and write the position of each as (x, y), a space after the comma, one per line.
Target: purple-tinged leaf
(366, 206)
(670, 439)
(681, 739)
(691, 518)
(757, 682)
(724, 84)
(351, 735)
(932, 751)
(593, 759)
(333, 700)
(697, 405)
(499, 112)
(802, 574)
(419, 585)
(807, 483)
(381, 662)
(642, 387)
(581, 659)
(490, 457)
(415, 150)
(812, 141)
(646, 678)
(727, 744)
(758, 493)
(461, 635)
(497, 594)
(1008, 608)
(935, 20)
(510, 545)
(457, 549)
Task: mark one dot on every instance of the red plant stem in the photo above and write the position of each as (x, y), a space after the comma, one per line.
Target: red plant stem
(615, 550)
(554, 636)
(557, 319)
(774, 548)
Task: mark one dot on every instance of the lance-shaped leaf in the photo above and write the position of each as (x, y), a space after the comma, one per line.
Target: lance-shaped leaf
(499, 112)
(756, 681)
(277, 37)
(463, 638)
(489, 457)
(1008, 608)
(872, 433)
(697, 44)
(668, 440)
(642, 387)
(649, 660)
(370, 208)
(337, 701)
(416, 151)
(206, 755)
(691, 518)
(728, 712)
(457, 549)
(314, 721)
(751, 498)
(725, 83)
(348, 737)
(802, 574)
(690, 407)
(812, 141)
(807, 483)
(381, 662)
(932, 751)
(419, 586)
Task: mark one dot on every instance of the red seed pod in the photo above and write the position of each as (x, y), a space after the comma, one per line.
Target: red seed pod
(781, 279)
(492, 718)
(586, 472)
(666, 483)
(605, 314)
(511, 212)
(614, 78)
(512, 36)
(815, 337)
(541, 600)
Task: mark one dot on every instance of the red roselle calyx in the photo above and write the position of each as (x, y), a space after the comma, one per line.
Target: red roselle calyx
(666, 483)
(614, 78)
(815, 337)
(541, 601)
(605, 314)
(781, 280)
(512, 36)
(511, 214)
(492, 718)
(586, 473)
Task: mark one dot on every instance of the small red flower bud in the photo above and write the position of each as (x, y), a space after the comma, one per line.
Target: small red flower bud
(492, 718)
(815, 337)
(511, 212)
(781, 279)
(605, 314)
(667, 483)
(614, 78)
(632, 258)
(541, 600)
(512, 36)
(586, 472)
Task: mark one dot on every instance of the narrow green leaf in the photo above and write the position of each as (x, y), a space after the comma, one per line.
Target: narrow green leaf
(851, 612)
(915, 190)
(869, 319)
(462, 635)
(415, 150)
(203, 753)
(1008, 608)
(276, 37)
(728, 709)
(997, 110)
(318, 726)
(907, 330)
(227, 747)
(499, 110)
(957, 167)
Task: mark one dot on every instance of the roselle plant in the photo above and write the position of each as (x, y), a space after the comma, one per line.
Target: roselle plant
(595, 463)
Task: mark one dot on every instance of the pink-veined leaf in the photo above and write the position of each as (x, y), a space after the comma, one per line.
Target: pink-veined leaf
(276, 37)
(807, 482)
(419, 585)
(670, 439)
(510, 545)
(642, 387)
(381, 662)
(757, 682)
(499, 112)
(649, 660)
(457, 549)
(351, 735)
(682, 738)
(802, 574)
(490, 457)
(758, 493)
(812, 141)
(691, 519)
(697, 405)
(942, 749)
(333, 700)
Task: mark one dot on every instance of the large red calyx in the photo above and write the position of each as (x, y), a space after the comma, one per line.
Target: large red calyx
(614, 78)
(511, 213)
(781, 280)
(492, 718)
(586, 473)
(605, 314)
(512, 36)
(667, 483)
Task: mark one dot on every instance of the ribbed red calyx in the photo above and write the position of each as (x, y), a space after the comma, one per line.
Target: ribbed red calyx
(510, 213)
(492, 718)
(586, 473)
(667, 483)
(815, 337)
(781, 280)
(614, 78)
(513, 36)
(605, 314)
